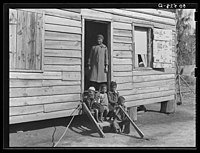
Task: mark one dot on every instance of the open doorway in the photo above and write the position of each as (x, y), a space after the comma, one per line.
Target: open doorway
(92, 29)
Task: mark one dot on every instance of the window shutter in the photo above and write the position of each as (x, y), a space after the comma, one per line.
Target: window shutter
(25, 39)
(162, 48)
(12, 37)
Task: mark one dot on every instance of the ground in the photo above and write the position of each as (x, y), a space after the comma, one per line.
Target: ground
(161, 130)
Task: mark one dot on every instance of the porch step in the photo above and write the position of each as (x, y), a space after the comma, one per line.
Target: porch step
(104, 123)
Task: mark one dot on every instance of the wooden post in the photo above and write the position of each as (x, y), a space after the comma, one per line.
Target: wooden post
(82, 55)
(132, 112)
(168, 106)
(110, 54)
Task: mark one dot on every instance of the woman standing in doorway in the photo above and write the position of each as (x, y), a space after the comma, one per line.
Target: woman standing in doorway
(98, 63)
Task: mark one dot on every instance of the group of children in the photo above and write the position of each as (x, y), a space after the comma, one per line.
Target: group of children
(105, 105)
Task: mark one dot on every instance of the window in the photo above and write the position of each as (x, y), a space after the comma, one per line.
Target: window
(153, 47)
(142, 47)
(162, 48)
(25, 40)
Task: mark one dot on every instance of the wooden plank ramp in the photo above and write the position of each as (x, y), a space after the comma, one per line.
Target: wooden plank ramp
(134, 125)
(99, 130)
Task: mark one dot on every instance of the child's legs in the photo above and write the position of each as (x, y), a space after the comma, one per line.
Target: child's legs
(106, 110)
(125, 125)
(116, 126)
(111, 111)
(96, 112)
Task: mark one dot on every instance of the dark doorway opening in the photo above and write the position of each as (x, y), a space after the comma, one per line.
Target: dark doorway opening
(92, 29)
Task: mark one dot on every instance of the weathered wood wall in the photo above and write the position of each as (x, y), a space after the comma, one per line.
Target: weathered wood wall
(55, 91)
(25, 30)
(140, 86)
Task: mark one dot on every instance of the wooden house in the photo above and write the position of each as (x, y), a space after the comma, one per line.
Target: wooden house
(49, 48)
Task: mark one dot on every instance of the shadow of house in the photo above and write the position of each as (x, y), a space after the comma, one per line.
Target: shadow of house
(80, 124)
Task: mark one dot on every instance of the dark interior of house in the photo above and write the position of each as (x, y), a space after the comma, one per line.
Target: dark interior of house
(92, 29)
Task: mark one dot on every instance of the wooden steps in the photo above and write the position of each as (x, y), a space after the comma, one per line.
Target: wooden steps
(104, 124)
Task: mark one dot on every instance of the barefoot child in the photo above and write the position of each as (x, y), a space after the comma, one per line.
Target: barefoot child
(92, 104)
(121, 122)
(104, 101)
(113, 95)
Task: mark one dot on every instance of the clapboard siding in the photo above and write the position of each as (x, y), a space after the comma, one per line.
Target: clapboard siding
(40, 100)
(119, 32)
(53, 35)
(153, 83)
(139, 15)
(122, 46)
(147, 78)
(122, 17)
(132, 85)
(71, 76)
(120, 25)
(123, 79)
(41, 116)
(154, 12)
(149, 101)
(122, 39)
(153, 72)
(62, 13)
(62, 53)
(62, 21)
(61, 82)
(60, 106)
(35, 76)
(16, 83)
(122, 54)
(122, 74)
(122, 68)
(68, 68)
(44, 95)
(25, 110)
(140, 90)
(149, 95)
(56, 90)
(62, 28)
(56, 44)
(125, 86)
(121, 61)
(62, 61)
(52, 90)
(152, 77)
(95, 14)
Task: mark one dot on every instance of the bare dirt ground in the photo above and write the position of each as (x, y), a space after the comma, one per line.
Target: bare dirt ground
(161, 130)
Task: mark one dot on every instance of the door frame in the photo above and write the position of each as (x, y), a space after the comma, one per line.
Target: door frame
(110, 48)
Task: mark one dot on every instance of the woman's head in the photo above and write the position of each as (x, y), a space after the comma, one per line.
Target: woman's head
(100, 39)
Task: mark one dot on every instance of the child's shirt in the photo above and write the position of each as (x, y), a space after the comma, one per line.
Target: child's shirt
(89, 102)
(119, 115)
(103, 99)
(113, 97)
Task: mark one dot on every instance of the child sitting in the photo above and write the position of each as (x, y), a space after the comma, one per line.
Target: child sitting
(121, 122)
(104, 101)
(113, 95)
(92, 104)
